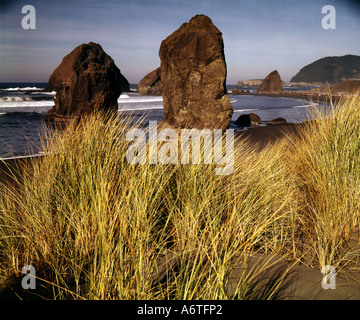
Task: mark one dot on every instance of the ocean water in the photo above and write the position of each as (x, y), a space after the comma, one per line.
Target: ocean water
(23, 107)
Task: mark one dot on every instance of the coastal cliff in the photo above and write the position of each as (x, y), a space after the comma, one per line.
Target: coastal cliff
(330, 70)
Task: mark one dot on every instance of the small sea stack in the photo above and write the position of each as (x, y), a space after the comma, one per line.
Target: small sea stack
(151, 84)
(86, 81)
(247, 120)
(193, 76)
(271, 84)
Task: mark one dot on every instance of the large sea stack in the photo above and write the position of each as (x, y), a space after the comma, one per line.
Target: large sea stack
(271, 84)
(193, 76)
(151, 84)
(86, 81)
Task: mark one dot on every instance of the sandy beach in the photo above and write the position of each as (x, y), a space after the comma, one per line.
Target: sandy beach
(292, 281)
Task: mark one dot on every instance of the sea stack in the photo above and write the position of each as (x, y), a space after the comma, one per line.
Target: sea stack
(248, 120)
(86, 81)
(151, 84)
(193, 76)
(271, 84)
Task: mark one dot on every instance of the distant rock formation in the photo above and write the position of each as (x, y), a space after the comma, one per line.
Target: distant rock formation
(151, 83)
(250, 83)
(235, 91)
(247, 120)
(271, 84)
(193, 76)
(86, 81)
(330, 69)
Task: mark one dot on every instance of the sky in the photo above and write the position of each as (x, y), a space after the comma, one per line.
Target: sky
(259, 35)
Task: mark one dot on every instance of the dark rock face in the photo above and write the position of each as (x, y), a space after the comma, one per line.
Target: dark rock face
(151, 83)
(247, 120)
(271, 84)
(193, 76)
(86, 81)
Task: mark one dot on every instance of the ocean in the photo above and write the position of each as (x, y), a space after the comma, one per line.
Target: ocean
(23, 107)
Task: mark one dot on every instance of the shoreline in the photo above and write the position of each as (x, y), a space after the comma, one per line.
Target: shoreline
(323, 97)
(258, 136)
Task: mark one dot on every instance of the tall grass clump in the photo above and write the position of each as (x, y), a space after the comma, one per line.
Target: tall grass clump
(96, 227)
(325, 165)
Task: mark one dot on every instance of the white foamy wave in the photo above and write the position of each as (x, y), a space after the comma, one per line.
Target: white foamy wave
(2, 113)
(124, 96)
(245, 110)
(24, 104)
(23, 89)
(52, 93)
(14, 98)
(142, 99)
(138, 109)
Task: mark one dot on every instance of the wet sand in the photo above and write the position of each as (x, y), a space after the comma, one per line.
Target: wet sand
(261, 136)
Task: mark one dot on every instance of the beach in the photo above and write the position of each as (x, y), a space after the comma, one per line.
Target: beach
(271, 275)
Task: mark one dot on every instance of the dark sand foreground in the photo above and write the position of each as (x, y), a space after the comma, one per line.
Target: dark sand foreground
(293, 282)
(261, 136)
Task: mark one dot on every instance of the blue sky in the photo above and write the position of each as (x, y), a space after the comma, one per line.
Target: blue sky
(259, 35)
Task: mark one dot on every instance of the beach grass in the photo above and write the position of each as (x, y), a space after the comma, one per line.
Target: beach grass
(96, 227)
(326, 168)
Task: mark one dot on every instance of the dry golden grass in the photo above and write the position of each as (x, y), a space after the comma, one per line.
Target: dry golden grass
(96, 227)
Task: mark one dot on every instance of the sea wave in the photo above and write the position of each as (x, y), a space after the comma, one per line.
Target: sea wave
(52, 93)
(24, 104)
(124, 96)
(141, 109)
(139, 99)
(23, 89)
(245, 110)
(14, 99)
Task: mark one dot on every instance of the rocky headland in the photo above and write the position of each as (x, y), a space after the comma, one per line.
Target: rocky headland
(330, 70)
